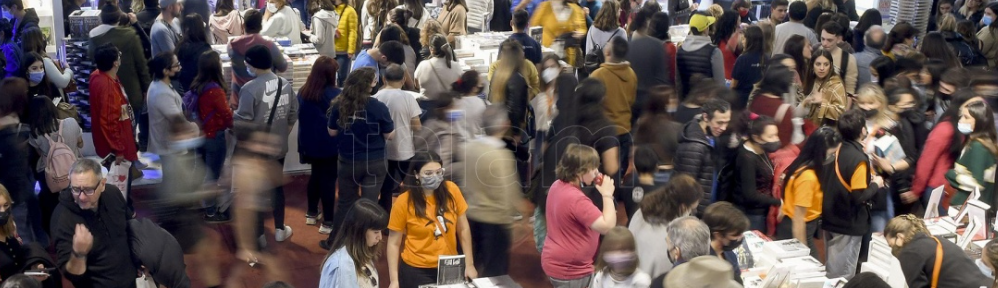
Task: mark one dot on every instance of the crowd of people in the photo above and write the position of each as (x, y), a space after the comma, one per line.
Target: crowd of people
(797, 125)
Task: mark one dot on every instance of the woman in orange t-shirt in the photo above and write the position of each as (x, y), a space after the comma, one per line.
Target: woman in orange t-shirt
(802, 197)
(429, 229)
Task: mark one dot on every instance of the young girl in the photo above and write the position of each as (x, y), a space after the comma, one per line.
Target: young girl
(976, 167)
(350, 263)
(617, 262)
(429, 216)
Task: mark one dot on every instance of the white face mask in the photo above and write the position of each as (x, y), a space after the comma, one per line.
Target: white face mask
(964, 128)
(271, 7)
(550, 74)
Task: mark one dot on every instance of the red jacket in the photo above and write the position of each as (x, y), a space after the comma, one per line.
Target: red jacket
(112, 117)
(935, 160)
(215, 112)
(670, 60)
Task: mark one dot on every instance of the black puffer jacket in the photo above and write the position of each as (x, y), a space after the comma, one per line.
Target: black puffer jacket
(695, 158)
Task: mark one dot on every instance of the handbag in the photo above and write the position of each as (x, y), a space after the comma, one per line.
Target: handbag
(71, 87)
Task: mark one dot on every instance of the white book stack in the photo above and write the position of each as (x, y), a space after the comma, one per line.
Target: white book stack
(783, 249)
(804, 267)
(883, 263)
(942, 227)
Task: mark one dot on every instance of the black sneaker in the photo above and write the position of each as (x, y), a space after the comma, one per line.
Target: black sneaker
(218, 218)
(324, 245)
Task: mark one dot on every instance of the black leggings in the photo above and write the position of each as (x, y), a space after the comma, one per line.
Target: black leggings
(322, 187)
(412, 277)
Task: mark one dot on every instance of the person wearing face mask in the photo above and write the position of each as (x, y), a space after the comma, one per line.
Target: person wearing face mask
(441, 131)
(574, 222)
(429, 217)
(164, 102)
(754, 179)
(33, 70)
(697, 147)
(906, 123)
(942, 147)
(977, 161)
(989, 259)
(17, 256)
(919, 253)
(989, 34)
(802, 189)
(177, 203)
(648, 132)
(281, 20)
(617, 262)
(687, 238)
(727, 223)
(436, 73)
(469, 85)
(658, 208)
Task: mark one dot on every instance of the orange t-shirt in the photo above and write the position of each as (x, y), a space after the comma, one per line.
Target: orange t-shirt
(420, 247)
(803, 190)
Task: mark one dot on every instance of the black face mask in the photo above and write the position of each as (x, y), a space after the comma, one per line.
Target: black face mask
(943, 96)
(4, 217)
(770, 147)
(869, 113)
(733, 244)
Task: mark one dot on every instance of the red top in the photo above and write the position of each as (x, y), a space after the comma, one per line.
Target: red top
(112, 117)
(729, 58)
(935, 160)
(213, 107)
(670, 59)
(769, 106)
(570, 245)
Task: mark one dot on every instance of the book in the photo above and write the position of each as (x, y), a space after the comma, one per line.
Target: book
(786, 249)
(450, 270)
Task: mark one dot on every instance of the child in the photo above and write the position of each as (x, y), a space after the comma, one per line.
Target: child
(617, 264)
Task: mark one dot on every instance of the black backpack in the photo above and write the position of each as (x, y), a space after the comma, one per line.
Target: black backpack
(595, 57)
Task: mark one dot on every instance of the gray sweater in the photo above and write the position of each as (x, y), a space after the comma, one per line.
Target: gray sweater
(256, 99)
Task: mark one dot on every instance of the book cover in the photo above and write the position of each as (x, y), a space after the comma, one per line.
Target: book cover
(450, 270)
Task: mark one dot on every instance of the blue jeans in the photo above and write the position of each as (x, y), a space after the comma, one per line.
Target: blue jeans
(213, 154)
(344, 61)
(757, 222)
(879, 219)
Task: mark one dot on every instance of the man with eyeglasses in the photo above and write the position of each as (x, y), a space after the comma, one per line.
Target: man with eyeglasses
(164, 103)
(90, 230)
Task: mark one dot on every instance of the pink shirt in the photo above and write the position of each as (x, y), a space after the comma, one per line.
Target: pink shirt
(571, 244)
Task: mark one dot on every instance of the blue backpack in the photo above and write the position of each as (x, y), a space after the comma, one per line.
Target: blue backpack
(190, 105)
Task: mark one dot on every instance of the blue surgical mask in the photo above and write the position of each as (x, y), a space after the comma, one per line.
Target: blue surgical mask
(250, 71)
(987, 20)
(964, 128)
(36, 77)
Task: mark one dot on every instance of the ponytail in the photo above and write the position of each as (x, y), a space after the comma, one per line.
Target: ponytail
(442, 48)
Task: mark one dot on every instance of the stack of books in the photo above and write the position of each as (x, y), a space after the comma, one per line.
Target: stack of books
(883, 263)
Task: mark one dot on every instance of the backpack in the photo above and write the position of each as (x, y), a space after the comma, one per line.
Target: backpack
(190, 104)
(58, 162)
(595, 57)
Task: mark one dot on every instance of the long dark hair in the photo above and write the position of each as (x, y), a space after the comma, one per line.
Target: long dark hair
(994, 9)
(727, 25)
(812, 78)
(899, 33)
(323, 75)
(441, 48)
(984, 126)
(209, 71)
(33, 40)
(415, 7)
(356, 91)
(952, 115)
(194, 31)
(455, 3)
(812, 155)
(415, 190)
(364, 215)
(643, 16)
(885, 69)
(586, 104)
(42, 117)
(934, 46)
(45, 87)
(870, 17)
(223, 7)
(795, 48)
(754, 41)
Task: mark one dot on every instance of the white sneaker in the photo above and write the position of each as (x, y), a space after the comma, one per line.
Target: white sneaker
(325, 229)
(282, 234)
(311, 220)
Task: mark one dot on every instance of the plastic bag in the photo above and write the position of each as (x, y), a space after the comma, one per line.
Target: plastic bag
(117, 175)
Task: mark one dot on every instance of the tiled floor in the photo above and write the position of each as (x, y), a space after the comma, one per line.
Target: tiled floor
(301, 257)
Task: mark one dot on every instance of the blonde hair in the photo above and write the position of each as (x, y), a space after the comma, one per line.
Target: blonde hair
(510, 63)
(873, 92)
(906, 224)
(947, 23)
(431, 28)
(618, 239)
(991, 249)
(7, 230)
(576, 160)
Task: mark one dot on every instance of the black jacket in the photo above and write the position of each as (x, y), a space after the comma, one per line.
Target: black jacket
(844, 210)
(30, 20)
(689, 63)
(26, 257)
(188, 54)
(159, 252)
(918, 259)
(109, 262)
(15, 171)
(754, 181)
(695, 157)
(969, 55)
(147, 17)
(516, 103)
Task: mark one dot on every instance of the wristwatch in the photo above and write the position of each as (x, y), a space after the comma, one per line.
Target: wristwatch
(79, 255)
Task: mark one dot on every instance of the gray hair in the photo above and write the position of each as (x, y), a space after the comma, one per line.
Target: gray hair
(494, 119)
(690, 235)
(84, 165)
(868, 36)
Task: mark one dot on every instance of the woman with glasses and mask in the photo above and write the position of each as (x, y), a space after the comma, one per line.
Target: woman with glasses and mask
(429, 216)
(350, 262)
(16, 256)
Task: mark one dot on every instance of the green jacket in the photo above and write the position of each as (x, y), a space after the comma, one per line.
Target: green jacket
(981, 165)
(134, 69)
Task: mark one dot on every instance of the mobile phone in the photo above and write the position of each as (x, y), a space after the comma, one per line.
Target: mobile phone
(36, 273)
(599, 179)
(106, 162)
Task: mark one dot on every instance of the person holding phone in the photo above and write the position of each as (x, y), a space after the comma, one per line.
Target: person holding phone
(17, 257)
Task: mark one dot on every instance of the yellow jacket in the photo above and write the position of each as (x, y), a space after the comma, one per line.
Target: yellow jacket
(347, 41)
(544, 16)
(529, 72)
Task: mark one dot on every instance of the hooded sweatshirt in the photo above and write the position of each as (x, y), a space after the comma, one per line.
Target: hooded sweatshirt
(109, 263)
(694, 43)
(30, 20)
(621, 88)
(134, 71)
(284, 23)
(223, 27)
(324, 24)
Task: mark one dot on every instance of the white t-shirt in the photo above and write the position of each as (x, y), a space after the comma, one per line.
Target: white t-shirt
(435, 77)
(473, 108)
(403, 108)
(639, 279)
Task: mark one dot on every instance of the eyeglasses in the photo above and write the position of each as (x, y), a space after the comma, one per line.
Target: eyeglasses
(84, 190)
(438, 172)
(176, 65)
(367, 272)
